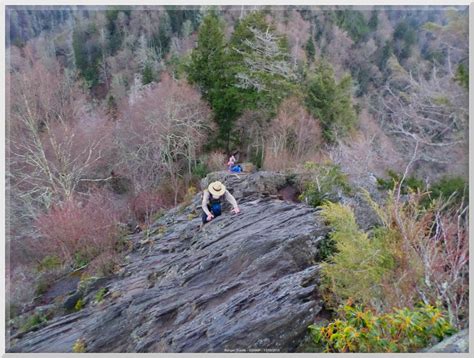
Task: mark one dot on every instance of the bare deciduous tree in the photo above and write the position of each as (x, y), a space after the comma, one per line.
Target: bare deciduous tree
(50, 146)
(297, 30)
(267, 65)
(432, 112)
(161, 134)
(366, 154)
(293, 138)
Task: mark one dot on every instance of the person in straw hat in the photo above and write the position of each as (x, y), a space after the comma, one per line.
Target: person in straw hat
(211, 201)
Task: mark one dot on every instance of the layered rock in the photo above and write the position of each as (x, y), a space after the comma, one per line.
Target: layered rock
(244, 282)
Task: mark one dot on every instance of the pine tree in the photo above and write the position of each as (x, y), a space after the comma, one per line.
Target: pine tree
(147, 75)
(209, 69)
(87, 52)
(207, 59)
(462, 76)
(310, 49)
(374, 20)
(162, 39)
(112, 108)
(330, 102)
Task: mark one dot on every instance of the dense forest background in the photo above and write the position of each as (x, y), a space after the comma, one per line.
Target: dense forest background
(115, 113)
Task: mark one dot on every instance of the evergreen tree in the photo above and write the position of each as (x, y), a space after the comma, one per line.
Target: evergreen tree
(251, 72)
(330, 102)
(147, 74)
(374, 20)
(207, 59)
(383, 55)
(260, 64)
(112, 108)
(87, 52)
(462, 76)
(209, 69)
(404, 37)
(353, 22)
(310, 49)
(114, 34)
(162, 39)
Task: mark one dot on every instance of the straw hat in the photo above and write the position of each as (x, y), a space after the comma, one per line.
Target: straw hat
(216, 188)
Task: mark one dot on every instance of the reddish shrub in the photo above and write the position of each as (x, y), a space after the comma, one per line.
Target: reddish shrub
(145, 204)
(78, 231)
(105, 263)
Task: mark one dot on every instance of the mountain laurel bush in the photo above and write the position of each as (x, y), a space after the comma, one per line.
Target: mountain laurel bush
(403, 330)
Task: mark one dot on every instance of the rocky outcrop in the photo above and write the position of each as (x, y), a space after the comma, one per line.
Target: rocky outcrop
(248, 187)
(457, 343)
(246, 282)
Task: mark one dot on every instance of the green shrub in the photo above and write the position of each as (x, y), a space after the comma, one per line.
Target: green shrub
(404, 330)
(81, 259)
(410, 183)
(408, 258)
(325, 180)
(99, 296)
(50, 262)
(449, 187)
(462, 76)
(33, 322)
(147, 75)
(79, 346)
(442, 189)
(79, 305)
(327, 248)
(200, 170)
(358, 265)
(42, 286)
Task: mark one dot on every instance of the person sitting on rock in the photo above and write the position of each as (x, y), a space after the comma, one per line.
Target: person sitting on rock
(232, 167)
(231, 162)
(211, 201)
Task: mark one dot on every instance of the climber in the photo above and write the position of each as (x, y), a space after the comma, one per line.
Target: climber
(232, 167)
(231, 162)
(211, 201)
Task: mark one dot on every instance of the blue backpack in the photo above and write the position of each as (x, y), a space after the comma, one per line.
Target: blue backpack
(215, 205)
(236, 169)
(216, 209)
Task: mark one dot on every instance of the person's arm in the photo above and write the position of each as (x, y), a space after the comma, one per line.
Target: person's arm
(230, 198)
(205, 201)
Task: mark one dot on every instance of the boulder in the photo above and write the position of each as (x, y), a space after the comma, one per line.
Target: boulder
(248, 186)
(248, 167)
(457, 343)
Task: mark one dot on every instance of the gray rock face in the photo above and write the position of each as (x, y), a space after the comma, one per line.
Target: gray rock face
(243, 282)
(457, 343)
(247, 187)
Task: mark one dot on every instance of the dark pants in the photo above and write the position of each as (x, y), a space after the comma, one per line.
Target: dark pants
(215, 210)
